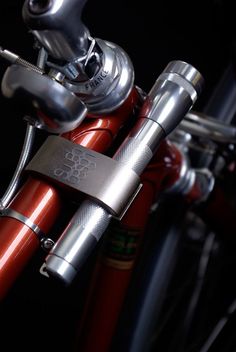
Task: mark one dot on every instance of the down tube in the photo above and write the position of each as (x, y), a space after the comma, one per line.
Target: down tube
(39, 203)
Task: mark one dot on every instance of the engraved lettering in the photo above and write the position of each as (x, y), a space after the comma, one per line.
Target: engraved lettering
(97, 80)
(75, 167)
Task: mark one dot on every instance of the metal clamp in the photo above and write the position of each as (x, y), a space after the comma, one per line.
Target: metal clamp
(106, 180)
(45, 242)
(11, 213)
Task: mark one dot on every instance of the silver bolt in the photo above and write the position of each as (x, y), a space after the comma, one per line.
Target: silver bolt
(47, 244)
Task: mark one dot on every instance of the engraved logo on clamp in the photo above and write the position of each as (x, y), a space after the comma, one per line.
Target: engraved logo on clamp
(76, 166)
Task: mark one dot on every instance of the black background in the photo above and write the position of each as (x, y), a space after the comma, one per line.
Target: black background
(201, 33)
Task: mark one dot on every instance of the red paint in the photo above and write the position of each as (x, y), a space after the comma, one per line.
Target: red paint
(194, 194)
(98, 133)
(41, 202)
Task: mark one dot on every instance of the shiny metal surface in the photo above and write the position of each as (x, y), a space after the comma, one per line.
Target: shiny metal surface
(138, 148)
(181, 138)
(110, 183)
(164, 107)
(172, 95)
(27, 145)
(39, 201)
(24, 157)
(42, 58)
(41, 204)
(99, 72)
(185, 181)
(77, 241)
(205, 182)
(168, 101)
(58, 27)
(47, 243)
(111, 84)
(11, 213)
(60, 110)
(188, 72)
(15, 59)
(201, 125)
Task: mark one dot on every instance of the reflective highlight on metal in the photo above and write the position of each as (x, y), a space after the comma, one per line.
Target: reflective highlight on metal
(15, 59)
(201, 125)
(41, 204)
(58, 27)
(39, 6)
(85, 227)
(185, 182)
(111, 84)
(164, 107)
(24, 157)
(65, 111)
(11, 213)
(27, 145)
(173, 95)
(99, 72)
(181, 138)
(138, 148)
(77, 167)
(205, 182)
(188, 72)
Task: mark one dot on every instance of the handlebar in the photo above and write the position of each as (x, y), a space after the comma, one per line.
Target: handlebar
(204, 126)
(172, 95)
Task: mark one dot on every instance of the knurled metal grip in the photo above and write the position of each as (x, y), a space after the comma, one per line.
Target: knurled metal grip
(164, 107)
(107, 181)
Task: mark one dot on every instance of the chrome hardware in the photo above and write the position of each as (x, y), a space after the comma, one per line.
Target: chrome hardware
(29, 136)
(111, 84)
(99, 72)
(107, 181)
(60, 110)
(11, 213)
(24, 157)
(186, 180)
(42, 270)
(172, 95)
(180, 81)
(15, 59)
(205, 181)
(58, 27)
(201, 125)
(47, 244)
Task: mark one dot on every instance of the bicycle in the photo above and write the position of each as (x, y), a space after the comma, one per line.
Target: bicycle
(139, 97)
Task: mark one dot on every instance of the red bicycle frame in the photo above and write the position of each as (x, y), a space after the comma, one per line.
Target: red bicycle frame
(41, 202)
